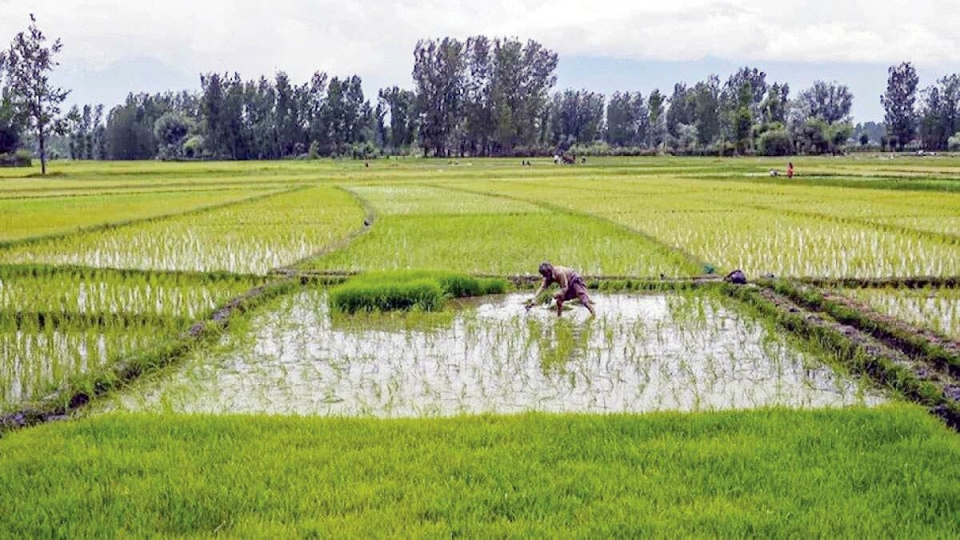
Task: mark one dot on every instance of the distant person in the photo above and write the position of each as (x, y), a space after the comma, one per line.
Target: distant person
(790, 170)
(571, 287)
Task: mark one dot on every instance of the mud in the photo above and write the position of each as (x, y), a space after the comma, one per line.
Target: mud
(872, 335)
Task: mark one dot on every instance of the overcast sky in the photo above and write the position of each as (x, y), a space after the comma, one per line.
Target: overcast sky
(114, 47)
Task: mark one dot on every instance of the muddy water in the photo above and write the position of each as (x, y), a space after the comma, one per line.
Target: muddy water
(642, 353)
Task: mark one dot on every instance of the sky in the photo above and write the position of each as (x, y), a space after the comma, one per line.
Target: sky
(115, 47)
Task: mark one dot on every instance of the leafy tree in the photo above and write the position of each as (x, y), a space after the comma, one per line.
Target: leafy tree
(774, 107)
(705, 105)
(627, 120)
(37, 102)
(10, 130)
(129, 134)
(576, 118)
(658, 128)
(171, 131)
(438, 73)
(829, 102)
(940, 113)
(775, 141)
(898, 101)
(953, 143)
(680, 111)
(399, 107)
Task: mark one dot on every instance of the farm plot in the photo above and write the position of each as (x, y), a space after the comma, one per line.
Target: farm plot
(29, 218)
(430, 228)
(62, 325)
(252, 237)
(504, 244)
(716, 225)
(42, 351)
(937, 309)
(91, 292)
(642, 353)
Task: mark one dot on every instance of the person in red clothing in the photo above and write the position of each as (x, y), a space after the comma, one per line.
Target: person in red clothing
(790, 170)
(571, 287)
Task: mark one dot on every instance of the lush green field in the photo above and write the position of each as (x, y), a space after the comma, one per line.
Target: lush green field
(853, 473)
(104, 267)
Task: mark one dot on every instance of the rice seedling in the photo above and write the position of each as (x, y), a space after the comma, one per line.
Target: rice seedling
(725, 225)
(692, 354)
(420, 290)
(31, 218)
(730, 474)
(935, 308)
(503, 244)
(253, 237)
(420, 200)
(41, 353)
(91, 291)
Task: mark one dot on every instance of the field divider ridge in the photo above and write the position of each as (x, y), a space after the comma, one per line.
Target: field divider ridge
(369, 220)
(915, 377)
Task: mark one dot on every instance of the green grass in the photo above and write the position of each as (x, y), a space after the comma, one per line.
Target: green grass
(854, 473)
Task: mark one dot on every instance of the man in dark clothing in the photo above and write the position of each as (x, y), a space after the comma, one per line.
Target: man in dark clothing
(571, 287)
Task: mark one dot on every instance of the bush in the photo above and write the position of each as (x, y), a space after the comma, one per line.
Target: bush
(421, 290)
(776, 142)
(20, 158)
(953, 143)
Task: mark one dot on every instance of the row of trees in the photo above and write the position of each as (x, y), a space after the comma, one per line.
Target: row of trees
(934, 122)
(479, 97)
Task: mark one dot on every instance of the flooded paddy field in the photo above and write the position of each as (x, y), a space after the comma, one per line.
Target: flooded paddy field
(643, 352)
(937, 309)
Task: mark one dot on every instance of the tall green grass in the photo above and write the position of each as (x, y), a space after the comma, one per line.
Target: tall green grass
(850, 473)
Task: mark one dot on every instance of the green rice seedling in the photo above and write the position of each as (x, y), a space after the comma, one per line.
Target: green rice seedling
(93, 291)
(42, 353)
(30, 218)
(935, 308)
(358, 295)
(405, 290)
(763, 230)
(475, 244)
(252, 237)
(772, 472)
(306, 359)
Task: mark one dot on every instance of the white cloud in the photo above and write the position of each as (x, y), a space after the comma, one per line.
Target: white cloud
(375, 38)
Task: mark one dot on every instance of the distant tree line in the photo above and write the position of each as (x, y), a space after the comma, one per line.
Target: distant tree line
(476, 97)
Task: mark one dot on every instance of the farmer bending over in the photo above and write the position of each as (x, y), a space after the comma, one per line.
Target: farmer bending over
(571, 286)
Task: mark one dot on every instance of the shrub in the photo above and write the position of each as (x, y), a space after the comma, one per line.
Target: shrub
(776, 142)
(406, 290)
(953, 143)
(20, 158)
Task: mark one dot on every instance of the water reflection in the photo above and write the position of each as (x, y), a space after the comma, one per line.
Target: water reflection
(641, 353)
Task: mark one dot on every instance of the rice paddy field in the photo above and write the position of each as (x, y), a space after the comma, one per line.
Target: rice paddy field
(175, 359)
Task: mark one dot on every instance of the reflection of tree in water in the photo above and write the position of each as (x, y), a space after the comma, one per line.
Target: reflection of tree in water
(560, 342)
